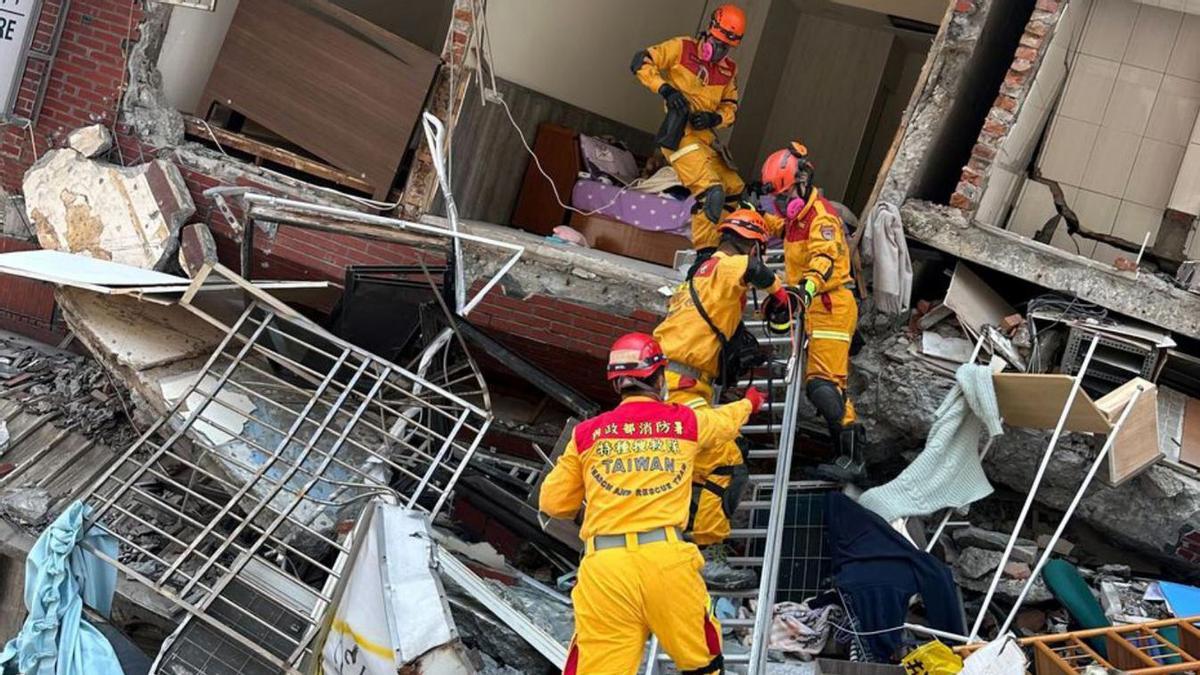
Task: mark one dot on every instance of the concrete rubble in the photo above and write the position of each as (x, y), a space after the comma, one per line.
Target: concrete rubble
(129, 215)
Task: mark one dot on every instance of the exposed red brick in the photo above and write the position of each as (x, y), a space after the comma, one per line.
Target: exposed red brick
(1032, 41)
(1027, 54)
(1037, 28)
(964, 6)
(1015, 79)
(960, 201)
(1021, 65)
(995, 128)
(983, 150)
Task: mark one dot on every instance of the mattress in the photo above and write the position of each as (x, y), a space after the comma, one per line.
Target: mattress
(642, 210)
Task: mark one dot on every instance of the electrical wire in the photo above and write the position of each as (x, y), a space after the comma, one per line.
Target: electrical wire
(484, 62)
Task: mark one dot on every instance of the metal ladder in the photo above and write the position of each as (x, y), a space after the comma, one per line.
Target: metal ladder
(772, 434)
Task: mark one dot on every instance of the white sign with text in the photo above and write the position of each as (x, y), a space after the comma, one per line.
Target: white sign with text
(18, 18)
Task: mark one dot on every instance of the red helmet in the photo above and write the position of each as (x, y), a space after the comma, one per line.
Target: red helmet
(746, 223)
(635, 355)
(728, 24)
(785, 167)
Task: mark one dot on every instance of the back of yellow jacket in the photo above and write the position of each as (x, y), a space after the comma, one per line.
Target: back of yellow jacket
(721, 284)
(633, 465)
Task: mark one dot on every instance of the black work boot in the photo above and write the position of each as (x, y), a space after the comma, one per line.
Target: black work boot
(850, 465)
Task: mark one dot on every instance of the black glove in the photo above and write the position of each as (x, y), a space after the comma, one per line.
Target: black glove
(704, 120)
(778, 313)
(755, 191)
(675, 100)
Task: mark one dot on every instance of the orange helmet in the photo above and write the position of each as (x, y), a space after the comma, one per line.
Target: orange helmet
(785, 167)
(728, 24)
(635, 355)
(745, 223)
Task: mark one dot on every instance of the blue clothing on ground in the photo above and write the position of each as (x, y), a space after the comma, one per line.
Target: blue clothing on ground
(60, 576)
(878, 571)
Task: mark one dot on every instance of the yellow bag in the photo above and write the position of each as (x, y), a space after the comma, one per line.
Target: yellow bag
(932, 658)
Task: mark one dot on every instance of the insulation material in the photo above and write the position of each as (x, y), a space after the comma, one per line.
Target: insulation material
(124, 215)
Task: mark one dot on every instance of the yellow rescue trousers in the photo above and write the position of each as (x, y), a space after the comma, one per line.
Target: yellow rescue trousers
(708, 524)
(830, 323)
(700, 167)
(625, 594)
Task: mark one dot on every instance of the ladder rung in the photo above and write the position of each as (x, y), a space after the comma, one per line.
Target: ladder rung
(744, 561)
(774, 383)
(760, 428)
(748, 533)
(740, 657)
(736, 622)
(763, 453)
(762, 478)
(754, 505)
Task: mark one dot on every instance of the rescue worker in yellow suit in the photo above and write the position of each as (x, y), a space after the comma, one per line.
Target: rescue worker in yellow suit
(632, 467)
(697, 81)
(817, 262)
(719, 286)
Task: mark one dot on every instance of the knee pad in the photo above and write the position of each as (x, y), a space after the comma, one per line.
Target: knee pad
(829, 402)
(713, 203)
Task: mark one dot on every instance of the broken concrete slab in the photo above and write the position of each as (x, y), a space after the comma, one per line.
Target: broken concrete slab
(1024, 550)
(1157, 512)
(164, 335)
(974, 568)
(90, 141)
(1147, 297)
(126, 215)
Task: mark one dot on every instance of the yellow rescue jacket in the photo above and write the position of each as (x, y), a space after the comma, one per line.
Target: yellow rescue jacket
(708, 87)
(633, 465)
(814, 245)
(721, 284)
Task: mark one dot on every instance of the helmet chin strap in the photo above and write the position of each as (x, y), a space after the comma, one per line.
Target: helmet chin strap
(626, 383)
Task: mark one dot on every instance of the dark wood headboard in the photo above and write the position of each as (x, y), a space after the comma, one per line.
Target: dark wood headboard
(338, 86)
(537, 210)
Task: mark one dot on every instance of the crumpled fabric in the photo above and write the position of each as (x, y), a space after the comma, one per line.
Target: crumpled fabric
(948, 473)
(884, 246)
(60, 576)
(798, 629)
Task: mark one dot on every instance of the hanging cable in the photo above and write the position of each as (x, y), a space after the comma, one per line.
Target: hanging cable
(490, 93)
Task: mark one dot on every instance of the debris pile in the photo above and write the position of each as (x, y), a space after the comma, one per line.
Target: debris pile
(77, 391)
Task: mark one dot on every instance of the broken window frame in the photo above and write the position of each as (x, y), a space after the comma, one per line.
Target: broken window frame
(106, 498)
(454, 455)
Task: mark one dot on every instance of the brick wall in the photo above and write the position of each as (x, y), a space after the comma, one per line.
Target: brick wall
(85, 83)
(1009, 101)
(85, 86)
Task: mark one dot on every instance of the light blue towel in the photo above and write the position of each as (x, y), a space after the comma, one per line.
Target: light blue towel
(948, 472)
(60, 577)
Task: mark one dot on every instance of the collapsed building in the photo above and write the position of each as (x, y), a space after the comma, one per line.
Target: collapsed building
(1042, 155)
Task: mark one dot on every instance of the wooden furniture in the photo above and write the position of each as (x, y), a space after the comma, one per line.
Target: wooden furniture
(1035, 401)
(605, 234)
(1136, 649)
(537, 210)
(338, 86)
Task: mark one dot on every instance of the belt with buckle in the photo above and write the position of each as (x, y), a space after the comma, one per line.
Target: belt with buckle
(603, 541)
